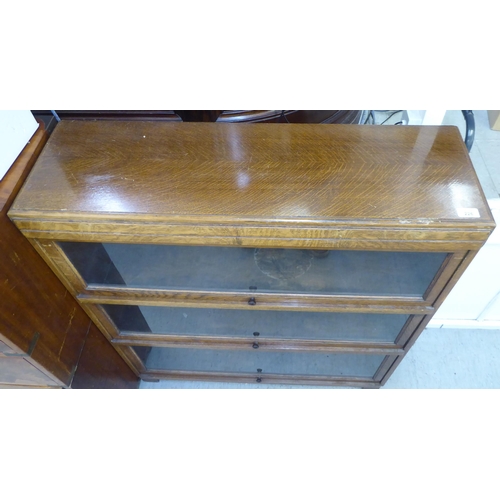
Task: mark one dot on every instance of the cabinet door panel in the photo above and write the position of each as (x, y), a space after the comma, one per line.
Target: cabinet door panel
(262, 363)
(236, 269)
(255, 324)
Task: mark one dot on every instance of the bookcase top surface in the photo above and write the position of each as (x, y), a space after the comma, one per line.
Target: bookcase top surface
(255, 172)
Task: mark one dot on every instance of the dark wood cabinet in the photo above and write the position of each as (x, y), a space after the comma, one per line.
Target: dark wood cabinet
(235, 116)
(292, 253)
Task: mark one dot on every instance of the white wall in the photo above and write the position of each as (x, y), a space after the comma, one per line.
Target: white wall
(16, 129)
(475, 300)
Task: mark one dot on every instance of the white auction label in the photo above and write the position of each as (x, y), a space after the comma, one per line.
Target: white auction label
(468, 212)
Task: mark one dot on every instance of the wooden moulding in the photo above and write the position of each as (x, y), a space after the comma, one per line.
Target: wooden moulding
(265, 301)
(171, 339)
(60, 264)
(335, 235)
(186, 340)
(448, 268)
(446, 289)
(246, 344)
(156, 375)
(408, 330)
(381, 373)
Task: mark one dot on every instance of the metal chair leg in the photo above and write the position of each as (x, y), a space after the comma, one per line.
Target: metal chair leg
(470, 129)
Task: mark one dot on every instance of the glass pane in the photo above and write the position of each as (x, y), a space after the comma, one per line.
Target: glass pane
(250, 362)
(264, 270)
(268, 324)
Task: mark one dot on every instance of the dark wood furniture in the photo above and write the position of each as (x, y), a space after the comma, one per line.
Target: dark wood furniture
(45, 336)
(235, 116)
(306, 254)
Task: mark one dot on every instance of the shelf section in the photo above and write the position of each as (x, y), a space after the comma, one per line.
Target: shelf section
(235, 269)
(255, 324)
(262, 363)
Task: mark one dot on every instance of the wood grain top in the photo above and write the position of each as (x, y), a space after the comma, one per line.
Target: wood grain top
(390, 175)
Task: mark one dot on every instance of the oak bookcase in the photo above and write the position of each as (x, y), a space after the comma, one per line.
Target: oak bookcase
(273, 253)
